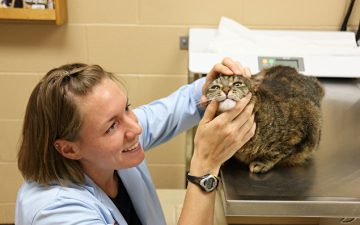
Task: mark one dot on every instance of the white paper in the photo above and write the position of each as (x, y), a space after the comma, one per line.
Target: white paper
(232, 37)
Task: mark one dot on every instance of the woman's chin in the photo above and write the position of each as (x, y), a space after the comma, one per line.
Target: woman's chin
(134, 158)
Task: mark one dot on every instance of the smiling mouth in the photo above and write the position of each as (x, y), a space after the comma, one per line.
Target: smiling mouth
(132, 148)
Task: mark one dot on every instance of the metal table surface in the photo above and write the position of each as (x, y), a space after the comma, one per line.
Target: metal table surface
(328, 186)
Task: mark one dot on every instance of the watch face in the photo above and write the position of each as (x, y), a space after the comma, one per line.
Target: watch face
(209, 183)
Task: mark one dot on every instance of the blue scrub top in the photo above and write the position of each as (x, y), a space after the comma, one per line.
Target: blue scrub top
(87, 203)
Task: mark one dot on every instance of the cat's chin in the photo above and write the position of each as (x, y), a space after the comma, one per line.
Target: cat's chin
(226, 105)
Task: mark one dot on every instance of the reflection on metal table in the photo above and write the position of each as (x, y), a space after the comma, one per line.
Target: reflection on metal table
(328, 186)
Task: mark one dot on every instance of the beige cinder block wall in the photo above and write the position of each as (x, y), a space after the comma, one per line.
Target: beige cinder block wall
(139, 41)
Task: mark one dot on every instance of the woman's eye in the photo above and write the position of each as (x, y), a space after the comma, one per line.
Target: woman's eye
(111, 128)
(127, 108)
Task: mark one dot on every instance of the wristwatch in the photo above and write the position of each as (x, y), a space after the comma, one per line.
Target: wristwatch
(207, 183)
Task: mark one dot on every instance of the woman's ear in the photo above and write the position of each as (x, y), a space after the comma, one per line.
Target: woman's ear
(67, 149)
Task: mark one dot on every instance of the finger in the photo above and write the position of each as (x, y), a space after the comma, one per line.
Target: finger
(245, 114)
(203, 101)
(245, 133)
(220, 69)
(210, 111)
(247, 72)
(250, 134)
(239, 63)
(234, 66)
(244, 122)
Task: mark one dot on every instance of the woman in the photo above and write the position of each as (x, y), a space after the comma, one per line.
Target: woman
(82, 150)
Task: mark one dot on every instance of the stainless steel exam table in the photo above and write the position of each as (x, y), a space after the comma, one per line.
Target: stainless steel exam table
(328, 186)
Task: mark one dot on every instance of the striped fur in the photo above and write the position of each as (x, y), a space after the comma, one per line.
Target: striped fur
(287, 114)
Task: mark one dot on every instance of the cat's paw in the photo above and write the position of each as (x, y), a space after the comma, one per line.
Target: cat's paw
(259, 167)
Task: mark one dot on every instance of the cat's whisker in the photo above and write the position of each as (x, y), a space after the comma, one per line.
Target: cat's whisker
(202, 102)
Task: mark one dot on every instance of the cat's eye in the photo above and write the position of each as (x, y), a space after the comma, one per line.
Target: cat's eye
(215, 87)
(238, 84)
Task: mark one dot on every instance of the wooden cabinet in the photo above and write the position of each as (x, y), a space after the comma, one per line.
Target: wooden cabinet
(57, 16)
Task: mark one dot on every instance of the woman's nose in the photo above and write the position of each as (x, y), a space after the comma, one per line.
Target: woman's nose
(134, 128)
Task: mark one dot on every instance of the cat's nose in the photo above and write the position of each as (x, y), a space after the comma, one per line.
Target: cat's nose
(226, 90)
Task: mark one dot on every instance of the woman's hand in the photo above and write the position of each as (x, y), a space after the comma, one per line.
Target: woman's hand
(217, 139)
(226, 67)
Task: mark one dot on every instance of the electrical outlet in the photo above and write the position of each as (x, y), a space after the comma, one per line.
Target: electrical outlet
(184, 42)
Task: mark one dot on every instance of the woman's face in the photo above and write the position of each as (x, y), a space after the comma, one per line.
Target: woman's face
(109, 137)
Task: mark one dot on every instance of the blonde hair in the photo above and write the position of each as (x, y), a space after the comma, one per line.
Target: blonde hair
(52, 114)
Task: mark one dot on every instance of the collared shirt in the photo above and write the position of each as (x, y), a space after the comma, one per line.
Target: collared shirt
(88, 204)
(124, 203)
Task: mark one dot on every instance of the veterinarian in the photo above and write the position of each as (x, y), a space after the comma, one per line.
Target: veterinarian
(82, 149)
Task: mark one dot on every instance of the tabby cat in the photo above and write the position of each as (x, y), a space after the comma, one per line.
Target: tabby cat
(287, 114)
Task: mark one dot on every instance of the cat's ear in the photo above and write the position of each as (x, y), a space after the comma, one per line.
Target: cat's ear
(254, 84)
(257, 79)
